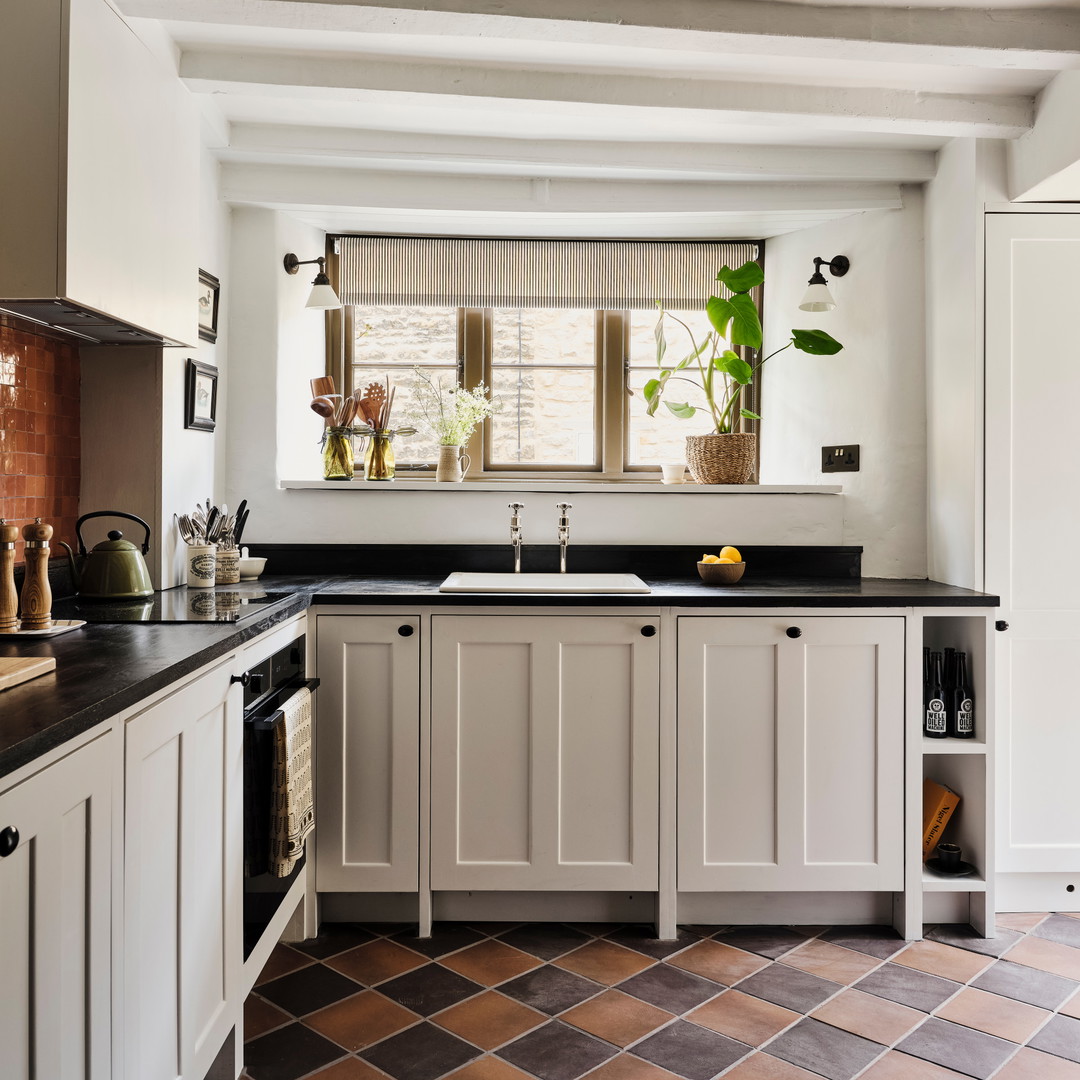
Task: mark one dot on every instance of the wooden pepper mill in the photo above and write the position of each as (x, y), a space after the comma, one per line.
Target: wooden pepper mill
(9, 598)
(36, 591)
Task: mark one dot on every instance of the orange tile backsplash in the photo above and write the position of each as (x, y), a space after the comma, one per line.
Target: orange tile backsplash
(39, 430)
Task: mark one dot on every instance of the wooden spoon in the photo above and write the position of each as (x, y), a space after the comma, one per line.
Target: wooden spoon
(323, 406)
(321, 386)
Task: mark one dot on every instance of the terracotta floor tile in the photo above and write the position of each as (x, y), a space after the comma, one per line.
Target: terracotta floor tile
(361, 1020)
(617, 1017)
(282, 961)
(762, 1066)
(604, 962)
(831, 961)
(871, 1017)
(490, 962)
(1008, 1019)
(1020, 920)
(1045, 955)
(719, 962)
(1028, 1064)
(260, 1017)
(960, 965)
(1072, 1006)
(628, 1067)
(489, 1019)
(489, 1068)
(897, 1066)
(376, 961)
(749, 1019)
(349, 1069)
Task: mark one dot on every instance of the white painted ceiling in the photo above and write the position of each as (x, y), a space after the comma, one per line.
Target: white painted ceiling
(737, 118)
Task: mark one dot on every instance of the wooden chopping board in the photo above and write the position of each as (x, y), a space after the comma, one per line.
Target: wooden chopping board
(15, 670)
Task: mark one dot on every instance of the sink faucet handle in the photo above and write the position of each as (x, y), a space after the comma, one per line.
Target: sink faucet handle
(564, 507)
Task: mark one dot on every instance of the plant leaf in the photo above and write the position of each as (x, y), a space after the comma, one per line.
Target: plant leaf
(745, 324)
(749, 415)
(816, 342)
(720, 314)
(742, 280)
(661, 341)
(650, 388)
(732, 364)
(683, 410)
(687, 360)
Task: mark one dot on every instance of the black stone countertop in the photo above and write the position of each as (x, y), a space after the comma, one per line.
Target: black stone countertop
(103, 669)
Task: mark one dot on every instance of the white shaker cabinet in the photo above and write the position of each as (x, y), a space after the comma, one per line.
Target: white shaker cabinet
(368, 753)
(544, 752)
(790, 753)
(55, 930)
(183, 863)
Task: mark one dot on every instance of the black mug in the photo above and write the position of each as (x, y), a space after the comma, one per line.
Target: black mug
(948, 856)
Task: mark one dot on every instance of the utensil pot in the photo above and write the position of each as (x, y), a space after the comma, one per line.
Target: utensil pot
(201, 565)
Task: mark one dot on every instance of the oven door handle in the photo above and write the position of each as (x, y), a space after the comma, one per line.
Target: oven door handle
(268, 718)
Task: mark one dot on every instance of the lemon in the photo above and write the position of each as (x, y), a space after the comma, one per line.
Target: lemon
(711, 558)
(731, 554)
(728, 560)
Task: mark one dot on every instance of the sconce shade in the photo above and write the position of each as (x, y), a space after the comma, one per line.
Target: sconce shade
(817, 298)
(323, 297)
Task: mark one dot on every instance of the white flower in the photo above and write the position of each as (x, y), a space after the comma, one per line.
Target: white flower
(452, 412)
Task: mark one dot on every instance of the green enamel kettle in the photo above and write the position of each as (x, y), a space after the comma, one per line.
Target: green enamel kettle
(115, 569)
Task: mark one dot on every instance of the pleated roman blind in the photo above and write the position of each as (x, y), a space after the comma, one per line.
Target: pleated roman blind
(596, 274)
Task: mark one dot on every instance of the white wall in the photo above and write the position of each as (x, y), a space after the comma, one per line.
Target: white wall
(872, 393)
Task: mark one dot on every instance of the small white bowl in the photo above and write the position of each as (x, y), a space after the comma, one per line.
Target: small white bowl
(250, 569)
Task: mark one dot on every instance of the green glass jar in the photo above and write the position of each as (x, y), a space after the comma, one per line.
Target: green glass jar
(379, 458)
(338, 454)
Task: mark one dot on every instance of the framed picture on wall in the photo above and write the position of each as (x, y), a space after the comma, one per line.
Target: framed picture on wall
(209, 291)
(201, 396)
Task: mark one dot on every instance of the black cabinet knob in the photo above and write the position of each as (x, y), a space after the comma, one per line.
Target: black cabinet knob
(9, 841)
(793, 631)
(648, 631)
(243, 680)
(1001, 624)
(406, 630)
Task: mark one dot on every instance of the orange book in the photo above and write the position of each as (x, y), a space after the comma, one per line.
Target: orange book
(938, 804)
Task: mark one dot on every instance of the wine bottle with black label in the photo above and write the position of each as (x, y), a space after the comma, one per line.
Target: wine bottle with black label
(962, 712)
(935, 724)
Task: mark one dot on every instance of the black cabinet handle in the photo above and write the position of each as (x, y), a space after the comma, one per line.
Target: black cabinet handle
(1001, 624)
(9, 841)
(406, 630)
(648, 631)
(244, 680)
(793, 631)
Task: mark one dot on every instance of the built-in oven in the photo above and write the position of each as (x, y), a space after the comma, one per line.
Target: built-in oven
(268, 688)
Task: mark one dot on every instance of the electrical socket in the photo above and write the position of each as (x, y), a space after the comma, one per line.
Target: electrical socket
(840, 457)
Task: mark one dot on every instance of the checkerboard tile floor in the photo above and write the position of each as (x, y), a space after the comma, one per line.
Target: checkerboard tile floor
(562, 1002)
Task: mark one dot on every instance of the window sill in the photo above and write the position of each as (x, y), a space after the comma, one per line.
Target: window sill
(624, 487)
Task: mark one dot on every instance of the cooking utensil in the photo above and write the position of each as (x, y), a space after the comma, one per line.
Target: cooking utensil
(211, 521)
(322, 385)
(323, 406)
(115, 568)
(376, 399)
(241, 521)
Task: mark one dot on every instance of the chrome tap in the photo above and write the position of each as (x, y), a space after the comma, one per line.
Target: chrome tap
(564, 533)
(516, 537)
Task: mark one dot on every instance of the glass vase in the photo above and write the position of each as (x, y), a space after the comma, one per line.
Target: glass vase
(338, 454)
(379, 458)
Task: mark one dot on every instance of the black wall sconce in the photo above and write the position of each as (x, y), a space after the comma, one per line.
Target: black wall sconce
(818, 297)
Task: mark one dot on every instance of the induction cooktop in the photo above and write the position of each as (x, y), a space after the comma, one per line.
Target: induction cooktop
(225, 603)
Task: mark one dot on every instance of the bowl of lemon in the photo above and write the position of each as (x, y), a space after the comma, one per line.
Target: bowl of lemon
(723, 569)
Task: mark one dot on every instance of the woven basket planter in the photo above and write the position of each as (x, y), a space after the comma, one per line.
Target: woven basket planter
(721, 459)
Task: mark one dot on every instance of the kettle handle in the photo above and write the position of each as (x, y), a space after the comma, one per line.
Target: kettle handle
(111, 513)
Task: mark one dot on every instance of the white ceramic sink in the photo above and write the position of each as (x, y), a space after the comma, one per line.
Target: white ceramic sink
(544, 583)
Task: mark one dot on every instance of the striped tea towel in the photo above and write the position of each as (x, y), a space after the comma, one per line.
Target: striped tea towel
(292, 808)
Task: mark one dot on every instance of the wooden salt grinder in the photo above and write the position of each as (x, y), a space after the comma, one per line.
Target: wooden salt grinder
(36, 591)
(9, 598)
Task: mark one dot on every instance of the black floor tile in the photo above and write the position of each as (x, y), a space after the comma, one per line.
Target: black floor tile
(670, 988)
(963, 937)
(445, 938)
(545, 940)
(334, 938)
(691, 1051)
(429, 989)
(1060, 928)
(423, 1052)
(794, 989)
(962, 1049)
(288, 1053)
(823, 1049)
(1023, 983)
(550, 989)
(1061, 1036)
(557, 1051)
(879, 941)
(308, 989)
(909, 987)
(770, 941)
(643, 939)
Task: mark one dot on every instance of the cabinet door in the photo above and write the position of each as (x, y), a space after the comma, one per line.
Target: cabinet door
(1032, 520)
(55, 938)
(544, 748)
(183, 867)
(368, 753)
(790, 753)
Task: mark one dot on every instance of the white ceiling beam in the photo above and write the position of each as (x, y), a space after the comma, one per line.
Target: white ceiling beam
(1045, 163)
(710, 160)
(298, 188)
(839, 108)
(1031, 38)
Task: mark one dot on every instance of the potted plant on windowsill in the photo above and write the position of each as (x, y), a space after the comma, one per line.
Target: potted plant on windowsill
(452, 414)
(724, 455)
